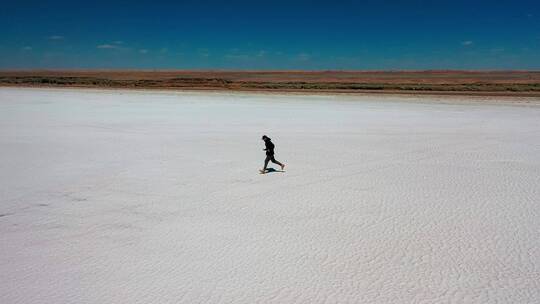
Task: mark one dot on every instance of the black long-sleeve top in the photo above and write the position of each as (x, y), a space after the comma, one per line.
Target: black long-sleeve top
(269, 147)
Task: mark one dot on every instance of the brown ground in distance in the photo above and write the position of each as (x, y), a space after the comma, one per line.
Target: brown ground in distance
(507, 83)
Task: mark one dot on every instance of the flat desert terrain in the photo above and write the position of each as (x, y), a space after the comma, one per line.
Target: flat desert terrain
(125, 196)
(485, 83)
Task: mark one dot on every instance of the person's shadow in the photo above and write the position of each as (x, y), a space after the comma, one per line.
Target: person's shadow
(272, 170)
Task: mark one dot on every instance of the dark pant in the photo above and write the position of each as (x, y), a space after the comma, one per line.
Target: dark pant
(270, 157)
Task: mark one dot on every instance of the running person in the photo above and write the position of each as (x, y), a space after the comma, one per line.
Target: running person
(269, 148)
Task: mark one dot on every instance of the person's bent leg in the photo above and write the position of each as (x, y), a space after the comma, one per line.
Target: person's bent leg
(277, 163)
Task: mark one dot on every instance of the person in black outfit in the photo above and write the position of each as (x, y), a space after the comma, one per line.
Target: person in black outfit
(269, 153)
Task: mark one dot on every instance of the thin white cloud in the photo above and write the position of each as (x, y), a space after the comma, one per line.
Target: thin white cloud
(114, 45)
(27, 48)
(467, 42)
(55, 37)
(107, 46)
(143, 51)
(303, 57)
(234, 54)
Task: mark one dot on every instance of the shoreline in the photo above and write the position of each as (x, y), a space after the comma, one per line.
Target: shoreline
(406, 96)
(415, 83)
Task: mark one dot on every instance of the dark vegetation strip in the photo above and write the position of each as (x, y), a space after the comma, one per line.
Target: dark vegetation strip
(218, 83)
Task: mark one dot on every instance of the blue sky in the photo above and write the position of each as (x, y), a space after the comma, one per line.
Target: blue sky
(311, 35)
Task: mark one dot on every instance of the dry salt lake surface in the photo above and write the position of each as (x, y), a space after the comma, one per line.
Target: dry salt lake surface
(155, 197)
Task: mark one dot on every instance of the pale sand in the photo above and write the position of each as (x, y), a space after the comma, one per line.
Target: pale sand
(155, 197)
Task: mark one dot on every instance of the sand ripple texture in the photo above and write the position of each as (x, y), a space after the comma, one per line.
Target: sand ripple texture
(155, 197)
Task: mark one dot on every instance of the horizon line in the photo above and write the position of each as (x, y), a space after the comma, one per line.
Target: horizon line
(273, 71)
